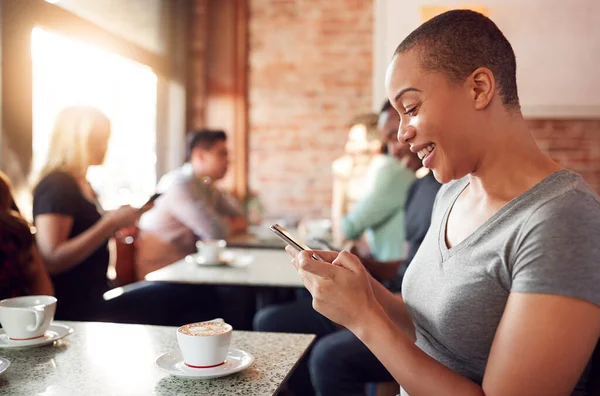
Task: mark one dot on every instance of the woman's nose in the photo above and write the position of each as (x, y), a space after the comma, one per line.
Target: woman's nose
(405, 134)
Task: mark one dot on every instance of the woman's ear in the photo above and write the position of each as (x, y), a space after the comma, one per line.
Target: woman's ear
(482, 87)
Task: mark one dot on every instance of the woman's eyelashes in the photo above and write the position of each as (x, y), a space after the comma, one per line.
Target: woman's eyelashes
(411, 110)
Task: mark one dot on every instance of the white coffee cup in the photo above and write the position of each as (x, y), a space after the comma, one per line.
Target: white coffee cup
(204, 344)
(26, 318)
(211, 250)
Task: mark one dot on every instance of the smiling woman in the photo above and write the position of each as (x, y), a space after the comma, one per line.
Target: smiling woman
(508, 271)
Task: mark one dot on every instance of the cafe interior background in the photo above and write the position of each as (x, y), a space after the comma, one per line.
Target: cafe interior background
(284, 78)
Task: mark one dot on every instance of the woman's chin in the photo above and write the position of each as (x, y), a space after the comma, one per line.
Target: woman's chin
(441, 176)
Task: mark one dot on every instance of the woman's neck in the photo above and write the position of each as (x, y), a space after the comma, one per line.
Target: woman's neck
(511, 165)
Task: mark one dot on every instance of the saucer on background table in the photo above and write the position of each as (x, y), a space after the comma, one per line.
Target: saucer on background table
(236, 361)
(55, 332)
(227, 258)
(4, 364)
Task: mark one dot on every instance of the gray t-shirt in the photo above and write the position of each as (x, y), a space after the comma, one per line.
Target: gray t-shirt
(546, 240)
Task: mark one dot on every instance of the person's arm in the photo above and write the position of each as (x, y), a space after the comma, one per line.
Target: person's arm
(230, 208)
(395, 309)
(385, 197)
(534, 347)
(195, 211)
(237, 225)
(37, 276)
(381, 270)
(391, 303)
(536, 328)
(60, 253)
(548, 330)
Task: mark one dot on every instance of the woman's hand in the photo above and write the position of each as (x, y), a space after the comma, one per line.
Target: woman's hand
(125, 216)
(341, 290)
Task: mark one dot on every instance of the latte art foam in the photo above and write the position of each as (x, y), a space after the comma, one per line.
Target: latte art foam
(205, 329)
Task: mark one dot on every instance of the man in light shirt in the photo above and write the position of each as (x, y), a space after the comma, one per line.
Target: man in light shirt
(191, 208)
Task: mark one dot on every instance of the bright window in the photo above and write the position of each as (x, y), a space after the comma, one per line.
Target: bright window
(68, 72)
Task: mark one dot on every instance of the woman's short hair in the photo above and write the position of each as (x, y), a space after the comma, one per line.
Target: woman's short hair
(458, 42)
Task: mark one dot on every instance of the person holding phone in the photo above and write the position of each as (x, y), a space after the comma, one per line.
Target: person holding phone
(339, 363)
(502, 297)
(191, 207)
(72, 229)
(286, 237)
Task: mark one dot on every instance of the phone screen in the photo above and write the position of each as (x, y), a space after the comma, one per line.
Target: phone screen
(285, 236)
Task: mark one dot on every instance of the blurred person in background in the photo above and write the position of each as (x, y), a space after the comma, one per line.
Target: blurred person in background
(72, 229)
(379, 215)
(191, 208)
(22, 271)
(339, 363)
(349, 171)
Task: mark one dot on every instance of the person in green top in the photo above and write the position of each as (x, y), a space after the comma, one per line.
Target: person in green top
(379, 215)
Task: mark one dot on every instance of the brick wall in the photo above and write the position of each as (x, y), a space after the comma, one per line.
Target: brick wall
(575, 144)
(197, 66)
(310, 67)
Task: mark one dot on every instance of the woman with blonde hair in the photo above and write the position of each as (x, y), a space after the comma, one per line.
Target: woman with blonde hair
(72, 232)
(21, 269)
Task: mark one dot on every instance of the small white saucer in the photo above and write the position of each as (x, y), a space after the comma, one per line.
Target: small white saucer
(236, 361)
(4, 364)
(56, 331)
(227, 258)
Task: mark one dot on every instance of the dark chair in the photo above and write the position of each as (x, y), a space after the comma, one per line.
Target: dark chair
(162, 304)
(125, 262)
(593, 385)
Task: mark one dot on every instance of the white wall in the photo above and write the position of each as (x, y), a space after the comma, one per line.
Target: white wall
(557, 44)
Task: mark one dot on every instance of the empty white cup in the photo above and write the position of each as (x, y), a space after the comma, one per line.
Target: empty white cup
(26, 318)
(204, 344)
(211, 250)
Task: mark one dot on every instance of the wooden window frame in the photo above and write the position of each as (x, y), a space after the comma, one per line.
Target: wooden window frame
(19, 17)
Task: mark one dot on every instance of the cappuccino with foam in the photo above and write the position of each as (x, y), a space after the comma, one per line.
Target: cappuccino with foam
(204, 344)
(205, 329)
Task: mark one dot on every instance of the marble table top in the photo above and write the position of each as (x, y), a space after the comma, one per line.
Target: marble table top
(267, 267)
(118, 359)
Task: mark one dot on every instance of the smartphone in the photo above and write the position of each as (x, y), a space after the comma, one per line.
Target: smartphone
(286, 237)
(152, 199)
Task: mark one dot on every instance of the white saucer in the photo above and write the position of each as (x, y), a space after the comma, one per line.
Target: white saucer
(4, 364)
(227, 258)
(56, 331)
(236, 361)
